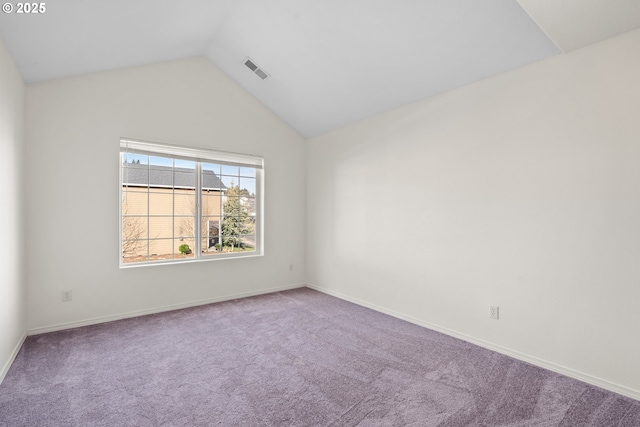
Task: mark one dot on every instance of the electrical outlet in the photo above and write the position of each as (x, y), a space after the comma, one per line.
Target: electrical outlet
(67, 296)
(494, 312)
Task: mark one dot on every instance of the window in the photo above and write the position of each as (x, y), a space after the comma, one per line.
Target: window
(170, 195)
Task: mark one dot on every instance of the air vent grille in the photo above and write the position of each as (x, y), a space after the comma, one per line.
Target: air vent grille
(253, 67)
(261, 74)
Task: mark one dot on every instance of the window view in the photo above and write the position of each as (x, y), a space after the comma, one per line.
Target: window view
(170, 195)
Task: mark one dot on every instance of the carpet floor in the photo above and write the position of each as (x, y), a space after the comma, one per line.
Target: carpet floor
(294, 358)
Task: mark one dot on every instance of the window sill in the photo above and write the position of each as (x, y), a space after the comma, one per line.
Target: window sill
(189, 260)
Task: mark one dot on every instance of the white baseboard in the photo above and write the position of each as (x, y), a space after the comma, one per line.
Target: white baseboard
(12, 357)
(96, 320)
(589, 379)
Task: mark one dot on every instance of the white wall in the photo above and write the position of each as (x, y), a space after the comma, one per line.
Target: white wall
(522, 190)
(74, 126)
(12, 286)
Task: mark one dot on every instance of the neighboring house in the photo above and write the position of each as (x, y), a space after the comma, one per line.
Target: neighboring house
(158, 208)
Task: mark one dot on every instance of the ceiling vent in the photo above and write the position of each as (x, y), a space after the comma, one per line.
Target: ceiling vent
(253, 67)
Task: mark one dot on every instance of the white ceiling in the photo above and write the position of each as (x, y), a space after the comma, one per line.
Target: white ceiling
(331, 62)
(573, 24)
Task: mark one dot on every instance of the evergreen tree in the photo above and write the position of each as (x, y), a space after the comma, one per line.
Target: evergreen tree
(236, 221)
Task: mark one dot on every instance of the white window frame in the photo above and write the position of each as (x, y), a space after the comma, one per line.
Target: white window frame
(199, 156)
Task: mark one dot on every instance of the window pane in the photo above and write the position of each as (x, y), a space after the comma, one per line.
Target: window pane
(184, 248)
(131, 158)
(160, 161)
(211, 204)
(161, 179)
(247, 186)
(230, 181)
(160, 203)
(207, 248)
(250, 204)
(231, 205)
(135, 176)
(161, 249)
(184, 203)
(134, 203)
(160, 227)
(134, 239)
(230, 170)
(234, 228)
(248, 172)
(186, 164)
(248, 242)
(184, 227)
(211, 235)
(211, 181)
(211, 167)
(135, 258)
(211, 227)
(184, 179)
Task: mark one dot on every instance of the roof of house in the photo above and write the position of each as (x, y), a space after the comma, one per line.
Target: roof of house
(168, 177)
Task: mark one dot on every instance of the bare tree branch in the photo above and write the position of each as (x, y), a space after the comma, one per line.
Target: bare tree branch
(133, 232)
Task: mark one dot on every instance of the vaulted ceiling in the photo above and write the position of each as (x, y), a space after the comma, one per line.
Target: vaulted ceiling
(329, 62)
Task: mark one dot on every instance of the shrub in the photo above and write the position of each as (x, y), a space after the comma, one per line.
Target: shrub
(184, 249)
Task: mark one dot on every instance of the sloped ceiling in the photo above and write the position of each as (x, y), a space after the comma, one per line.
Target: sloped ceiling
(574, 24)
(330, 62)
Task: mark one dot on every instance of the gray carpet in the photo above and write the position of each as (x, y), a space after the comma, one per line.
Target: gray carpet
(295, 358)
